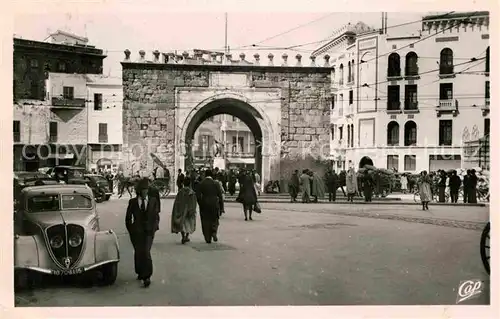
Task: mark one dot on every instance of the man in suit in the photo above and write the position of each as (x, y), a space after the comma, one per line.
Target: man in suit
(142, 221)
(210, 201)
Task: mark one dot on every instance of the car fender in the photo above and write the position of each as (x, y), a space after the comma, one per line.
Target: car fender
(26, 252)
(106, 246)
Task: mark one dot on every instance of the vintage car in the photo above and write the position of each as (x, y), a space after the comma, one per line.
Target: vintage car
(101, 183)
(57, 233)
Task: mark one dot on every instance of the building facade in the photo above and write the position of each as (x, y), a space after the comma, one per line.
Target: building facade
(418, 100)
(105, 135)
(49, 116)
(238, 143)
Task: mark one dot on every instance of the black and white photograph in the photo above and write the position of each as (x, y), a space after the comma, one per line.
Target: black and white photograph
(167, 158)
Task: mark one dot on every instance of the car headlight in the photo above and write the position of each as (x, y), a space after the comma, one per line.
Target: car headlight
(75, 240)
(56, 242)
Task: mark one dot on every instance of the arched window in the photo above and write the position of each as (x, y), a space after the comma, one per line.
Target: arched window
(352, 70)
(410, 133)
(411, 64)
(348, 135)
(394, 65)
(352, 135)
(446, 61)
(393, 133)
(349, 72)
(341, 74)
(488, 60)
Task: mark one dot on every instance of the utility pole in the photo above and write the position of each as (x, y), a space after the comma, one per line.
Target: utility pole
(226, 49)
(385, 23)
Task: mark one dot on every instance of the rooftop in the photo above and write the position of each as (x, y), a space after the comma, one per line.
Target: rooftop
(77, 48)
(470, 14)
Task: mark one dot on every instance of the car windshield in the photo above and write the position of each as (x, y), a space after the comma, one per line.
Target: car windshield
(42, 203)
(75, 173)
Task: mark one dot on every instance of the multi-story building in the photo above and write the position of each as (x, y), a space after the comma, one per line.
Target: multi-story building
(105, 135)
(235, 136)
(50, 117)
(418, 98)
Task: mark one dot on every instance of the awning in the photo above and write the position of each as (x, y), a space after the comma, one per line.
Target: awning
(104, 162)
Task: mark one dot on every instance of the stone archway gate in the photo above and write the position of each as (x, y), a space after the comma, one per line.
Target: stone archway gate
(293, 103)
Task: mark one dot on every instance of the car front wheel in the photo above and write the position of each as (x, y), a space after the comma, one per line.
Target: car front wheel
(108, 273)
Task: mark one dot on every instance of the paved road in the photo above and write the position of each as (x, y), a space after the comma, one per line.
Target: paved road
(297, 254)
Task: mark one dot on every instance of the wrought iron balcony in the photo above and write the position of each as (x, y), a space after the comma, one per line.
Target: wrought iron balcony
(446, 71)
(63, 103)
(486, 107)
(393, 107)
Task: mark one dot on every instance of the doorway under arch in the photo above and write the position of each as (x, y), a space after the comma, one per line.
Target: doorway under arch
(365, 160)
(231, 106)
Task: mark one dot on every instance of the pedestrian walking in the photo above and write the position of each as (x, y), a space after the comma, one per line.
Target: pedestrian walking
(184, 212)
(424, 186)
(247, 196)
(351, 183)
(210, 199)
(454, 186)
(180, 179)
(466, 184)
(305, 186)
(218, 180)
(367, 185)
(293, 186)
(472, 197)
(142, 222)
(404, 183)
(442, 186)
(317, 186)
(231, 185)
(333, 184)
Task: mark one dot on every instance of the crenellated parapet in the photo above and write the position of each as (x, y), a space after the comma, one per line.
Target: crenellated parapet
(202, 57)
(457, 22)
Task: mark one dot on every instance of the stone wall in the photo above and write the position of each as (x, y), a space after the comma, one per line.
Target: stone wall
(149, 124)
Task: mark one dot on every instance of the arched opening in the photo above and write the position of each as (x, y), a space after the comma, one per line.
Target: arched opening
(393, 133)
(394, 65)
(411, 64)
(410, 133)
(349, 72)
(230, 136)
(446, 61)
(365, 160)
(352, 70)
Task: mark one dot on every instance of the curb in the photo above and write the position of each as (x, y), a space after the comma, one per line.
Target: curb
(359, 202)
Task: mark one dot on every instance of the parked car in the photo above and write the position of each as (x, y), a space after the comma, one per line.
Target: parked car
(98, 181)
(25, 179)
(57, 233)
(70, 172)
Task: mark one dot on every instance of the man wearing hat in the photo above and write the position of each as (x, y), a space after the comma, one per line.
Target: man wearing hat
(210, 201)
(142, 221)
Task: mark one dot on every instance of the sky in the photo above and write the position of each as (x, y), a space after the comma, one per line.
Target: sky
(139, 28)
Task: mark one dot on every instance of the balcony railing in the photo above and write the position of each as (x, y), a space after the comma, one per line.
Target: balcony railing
(393, 106)
(486, 107)
(448, 106)
(411, 106)
(411, 72)
(103, 138)
(349, 110)
(446, 71)
(68, 103)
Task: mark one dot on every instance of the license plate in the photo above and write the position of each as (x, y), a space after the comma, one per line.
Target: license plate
(75, 271)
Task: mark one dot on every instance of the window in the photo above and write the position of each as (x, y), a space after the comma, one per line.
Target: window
(68, 92)
(486, 127)
(487, 89)
(393, 162)
(341, 75)
(53, 132)
(394, 65)
(351, 97)
(241, 144)
(234, 146)
(445, 132)
(352, 135)
(97, 102)
(411, 102)
(349, 72)
(341, 129)
(35, 90)
(393, 133)
(34, 63)
(446, 61)
(446, 91)
(103, 132)
(411, 64)
(348, 135)
(410, 163)
(352, 71)
(410, 133)
(61, 67)
(393, 102)
(334, 101)
(341, 104)
(487, 60)
(17, 131)
(332, 132)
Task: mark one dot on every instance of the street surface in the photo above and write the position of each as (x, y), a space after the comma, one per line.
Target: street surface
(296, 254)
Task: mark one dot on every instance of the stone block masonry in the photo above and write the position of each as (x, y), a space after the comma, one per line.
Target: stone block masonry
(149, 109)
